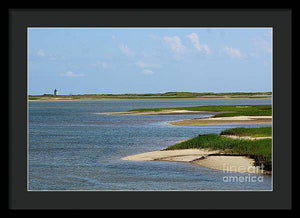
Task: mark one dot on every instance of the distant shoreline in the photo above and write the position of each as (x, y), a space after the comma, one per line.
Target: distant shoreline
(110, 99)
(152, 96)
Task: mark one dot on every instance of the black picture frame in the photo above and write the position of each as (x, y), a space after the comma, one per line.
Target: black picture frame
(281, 22)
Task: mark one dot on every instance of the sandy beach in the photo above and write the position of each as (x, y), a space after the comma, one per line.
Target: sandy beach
(211, 159)
(164, 112)
(224, 120)
(200, 121)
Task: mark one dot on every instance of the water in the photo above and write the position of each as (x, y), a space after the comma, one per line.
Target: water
(70, 147)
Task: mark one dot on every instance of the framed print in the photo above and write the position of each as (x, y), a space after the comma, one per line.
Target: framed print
(136, 109)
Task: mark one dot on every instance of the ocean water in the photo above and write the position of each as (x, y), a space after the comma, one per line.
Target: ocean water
(70, 147)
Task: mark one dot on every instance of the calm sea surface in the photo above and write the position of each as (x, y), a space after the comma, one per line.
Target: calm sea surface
(70, 147)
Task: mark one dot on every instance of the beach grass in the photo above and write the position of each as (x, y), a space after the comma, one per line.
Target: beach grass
(253, 132)
(260, 150)
(224, 110)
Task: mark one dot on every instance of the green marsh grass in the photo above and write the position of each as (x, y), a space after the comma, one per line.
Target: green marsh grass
(224, 110)
(253, 132)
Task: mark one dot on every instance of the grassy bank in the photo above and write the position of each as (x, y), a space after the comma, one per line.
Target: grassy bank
(253, 132)
(259, 150)
(224, 110)
(167, 95)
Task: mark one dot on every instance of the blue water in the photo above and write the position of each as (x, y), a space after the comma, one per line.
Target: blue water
(70, 147)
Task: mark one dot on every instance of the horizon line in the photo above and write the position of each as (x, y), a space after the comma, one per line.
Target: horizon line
(160, 93)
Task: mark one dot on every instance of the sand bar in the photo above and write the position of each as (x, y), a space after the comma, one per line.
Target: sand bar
(224, 120)
(211, 159)
(185, 155)
(164, 112)
(201, 121)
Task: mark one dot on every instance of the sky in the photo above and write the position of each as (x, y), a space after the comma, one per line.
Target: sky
(149, 60)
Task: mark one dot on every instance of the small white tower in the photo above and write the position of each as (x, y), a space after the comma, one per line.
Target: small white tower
(55, 92)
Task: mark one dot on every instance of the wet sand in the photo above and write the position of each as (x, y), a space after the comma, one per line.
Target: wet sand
(164, 112)
(224, 121)
(206, 158)
(201, 121)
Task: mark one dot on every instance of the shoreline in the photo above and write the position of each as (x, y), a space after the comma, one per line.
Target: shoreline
(223, 121)
(164, 112)
(212, 159)
(210, 120)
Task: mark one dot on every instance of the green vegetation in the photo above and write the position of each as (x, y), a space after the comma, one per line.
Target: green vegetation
(225, 110)
(222, 95)
(260, 150)
(167, 95)
(253, 132)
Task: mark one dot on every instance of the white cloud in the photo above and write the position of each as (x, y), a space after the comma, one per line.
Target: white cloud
(254, 54)
(125, 50)
(265, 43)
(174, 43)
(147, 72)
(155, 37)
(144, 64)
(195, 41)
(47, 56)
(104, 64)
(100, 64)
(55, 57)
(233, 52)
(71, 74)
(41, 53)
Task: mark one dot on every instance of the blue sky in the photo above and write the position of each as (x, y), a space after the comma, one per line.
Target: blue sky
(149, 60)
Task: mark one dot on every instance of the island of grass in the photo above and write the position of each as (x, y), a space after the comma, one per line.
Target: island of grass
(216, 151)
(219, 114)
(220, 110)
(260, 150)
